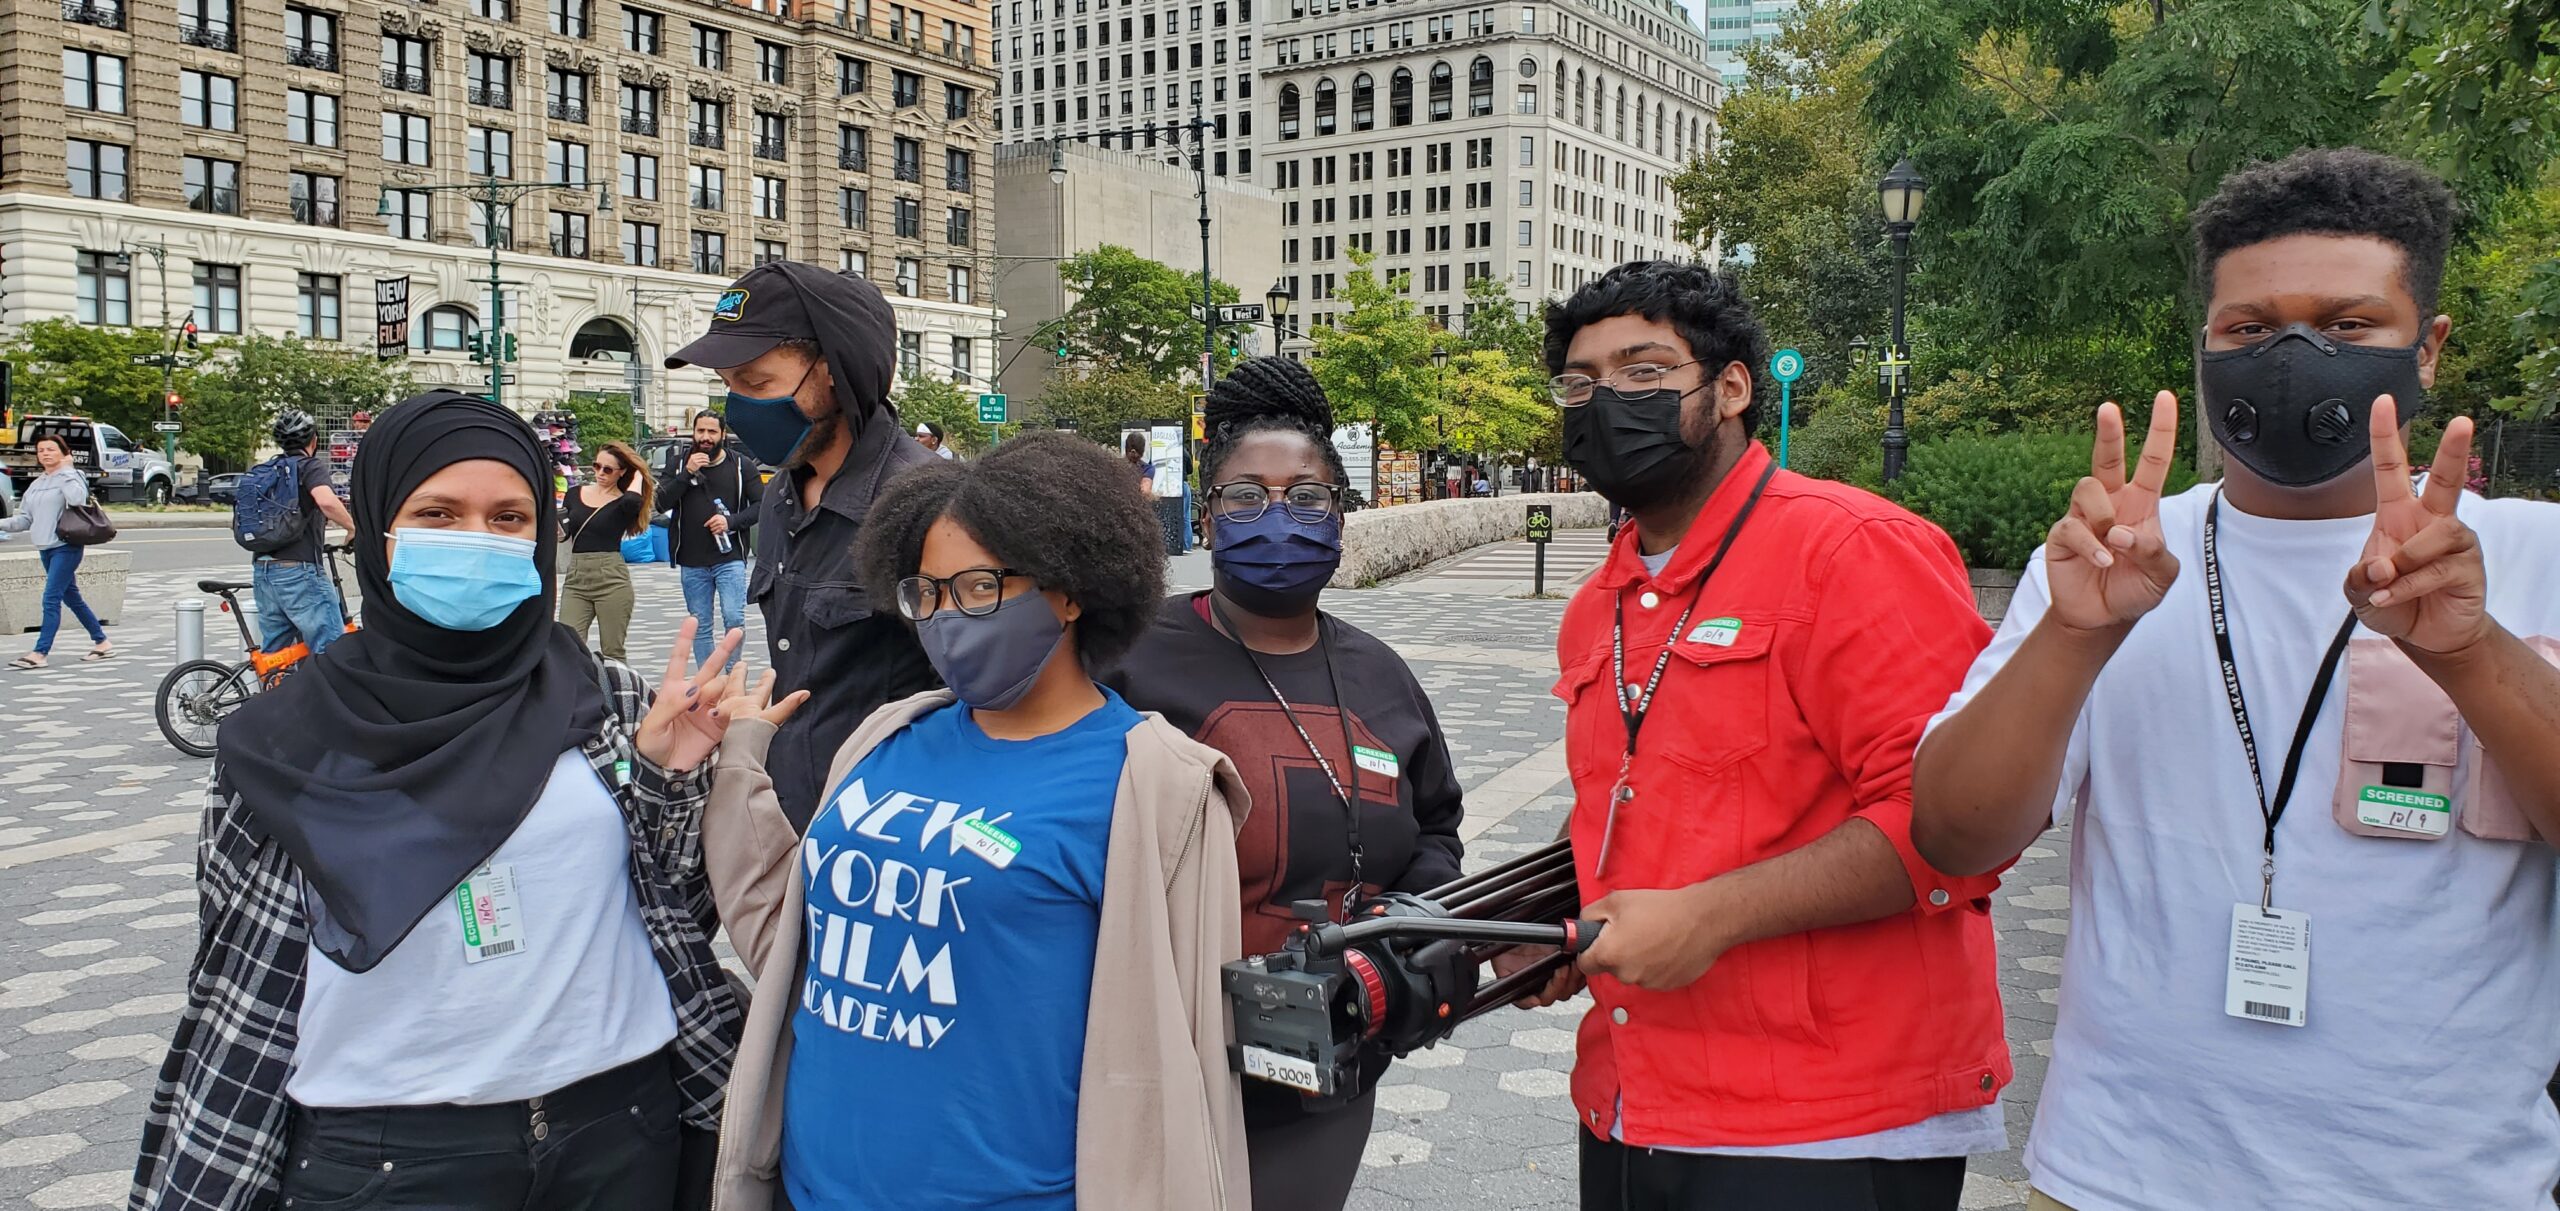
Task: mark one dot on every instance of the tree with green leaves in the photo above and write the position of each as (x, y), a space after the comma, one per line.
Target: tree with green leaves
(924, 397)
(239, 388)
(66, 367)
(1098, 399)
(1374, 362)
(1490, 404)
(603, 416)
(1494, 320)
(1139, 313)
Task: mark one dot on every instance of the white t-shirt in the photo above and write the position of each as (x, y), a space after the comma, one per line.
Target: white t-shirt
(2434, 1003)
(582, 995)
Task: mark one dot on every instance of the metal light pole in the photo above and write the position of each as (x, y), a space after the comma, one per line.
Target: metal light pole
(1198, 128)
(168, 356)
(491, 192)
(1277, 300)
(1901, 191)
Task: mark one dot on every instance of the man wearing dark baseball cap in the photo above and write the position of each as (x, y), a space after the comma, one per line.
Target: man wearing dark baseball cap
(806, 354)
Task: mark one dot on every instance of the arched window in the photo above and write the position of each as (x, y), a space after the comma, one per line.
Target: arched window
(1480, 87)
(445, 329)
(1578, 85)
(1324, 106)
(1443, 83)
(1639, 122)
(604, 339)
(1364, 102)
(1618, 110)
(1288, 111)
(1400, 98)
(1657, 128)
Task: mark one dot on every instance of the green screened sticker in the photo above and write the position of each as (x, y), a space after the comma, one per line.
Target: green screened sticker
(1376, 761)
(2405, 810)
(993, 833)
(1720, 632)
(2393, 796)
(464, 901)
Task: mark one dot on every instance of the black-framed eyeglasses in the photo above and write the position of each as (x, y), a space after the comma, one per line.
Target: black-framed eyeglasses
(1245, 500)
(1574, 390)
(975, 592)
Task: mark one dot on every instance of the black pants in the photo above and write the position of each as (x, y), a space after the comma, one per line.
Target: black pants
(1308, 1163)
(1616, 1177)
(606, 1143)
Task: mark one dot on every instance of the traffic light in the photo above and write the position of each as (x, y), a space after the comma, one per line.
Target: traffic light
(1062, 347)
(1235, 345)
(472, 343)
(174, 400)
(511, 347)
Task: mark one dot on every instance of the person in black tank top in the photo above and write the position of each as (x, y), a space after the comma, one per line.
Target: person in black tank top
(597, 516)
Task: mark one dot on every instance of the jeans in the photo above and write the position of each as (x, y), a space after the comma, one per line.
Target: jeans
(606, 1143)
(1623, 1177)
(296, 602)
(727, 584)
(62, 588)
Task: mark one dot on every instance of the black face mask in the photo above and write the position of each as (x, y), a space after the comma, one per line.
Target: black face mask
(2294, 407)
(1630, 447)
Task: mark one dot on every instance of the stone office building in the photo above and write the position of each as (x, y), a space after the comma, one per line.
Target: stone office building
(261, 164)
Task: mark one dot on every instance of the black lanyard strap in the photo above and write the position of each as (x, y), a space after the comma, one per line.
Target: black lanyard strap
(2270, 810)
(1631, 706)
(1350, 752)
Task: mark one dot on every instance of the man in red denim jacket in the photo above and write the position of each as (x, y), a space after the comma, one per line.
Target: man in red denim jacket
(1791, 1008)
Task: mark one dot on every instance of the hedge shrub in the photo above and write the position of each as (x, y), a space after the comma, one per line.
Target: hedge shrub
(1999, 496)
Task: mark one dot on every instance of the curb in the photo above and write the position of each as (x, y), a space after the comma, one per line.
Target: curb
(169, 521)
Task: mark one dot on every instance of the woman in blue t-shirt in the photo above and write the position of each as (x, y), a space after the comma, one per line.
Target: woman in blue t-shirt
(987, 974)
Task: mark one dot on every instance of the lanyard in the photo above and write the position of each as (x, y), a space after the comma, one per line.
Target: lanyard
(2269, 810)
(1342, 711)
(1633, 706)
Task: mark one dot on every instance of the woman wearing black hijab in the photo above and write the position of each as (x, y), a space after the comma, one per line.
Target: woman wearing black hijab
(455, 928)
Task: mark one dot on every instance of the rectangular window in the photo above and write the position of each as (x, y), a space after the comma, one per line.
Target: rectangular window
(639, 177)
(769, 251)
(311, 118)
(964, 352)
(710, 252)
(493, 226)
(207, 23)
(106, 289)
(852, 76)
(909, 165)
(208, 101)
(218, 297)
(492, 153)
(910, 344)
(710, 48)
(404, 64)
(568, 234)
(773, 136)
(564, 162)
(641, 33)
(316, 303)
(1528, 152)
(956, 170)
(909, 269)
(405, 138)
(406, 214)
(92, 81)
(709, 120)
(959, 281)
(909, 226)
(568, 95)
(854, 206)
(772, 198)
(211, 186)
(314, 198)
(906, 89)
(854, 261)
(955, 227)
(310, 39)
(956, 100)
(501, 11)
(640, 244)
(773, 63)
(491, 81)
(569, 18)
(708, 186)
(640, 110)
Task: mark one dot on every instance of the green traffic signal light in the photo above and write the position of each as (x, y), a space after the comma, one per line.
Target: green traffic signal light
(472, 343)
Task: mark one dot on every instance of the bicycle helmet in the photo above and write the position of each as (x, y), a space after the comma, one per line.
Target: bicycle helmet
(294, 429)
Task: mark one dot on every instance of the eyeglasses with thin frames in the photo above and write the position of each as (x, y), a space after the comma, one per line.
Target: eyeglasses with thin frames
(975, 592)
(1574, 390)
(1246, 501)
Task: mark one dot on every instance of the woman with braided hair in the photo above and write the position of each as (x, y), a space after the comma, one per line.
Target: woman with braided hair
(1353, 790)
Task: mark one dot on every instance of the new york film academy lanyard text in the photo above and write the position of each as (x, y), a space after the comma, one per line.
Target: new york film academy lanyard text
(1342, 712)
(1634, 707)
(2270, 810)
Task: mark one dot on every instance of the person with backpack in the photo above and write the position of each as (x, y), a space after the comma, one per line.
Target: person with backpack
(59, 490)
(281, 515)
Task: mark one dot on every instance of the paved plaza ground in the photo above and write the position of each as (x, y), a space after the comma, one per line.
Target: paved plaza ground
(97, 908)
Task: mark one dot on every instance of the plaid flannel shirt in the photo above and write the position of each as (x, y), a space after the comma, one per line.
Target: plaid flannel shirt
(215, 1137)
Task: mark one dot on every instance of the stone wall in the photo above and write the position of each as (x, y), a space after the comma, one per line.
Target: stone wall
(101, 578)
(1382, 543)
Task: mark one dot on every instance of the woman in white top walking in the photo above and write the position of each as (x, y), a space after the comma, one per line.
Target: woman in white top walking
(61, 487)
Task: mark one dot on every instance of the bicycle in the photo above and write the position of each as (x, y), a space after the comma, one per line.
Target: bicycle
(196, 696)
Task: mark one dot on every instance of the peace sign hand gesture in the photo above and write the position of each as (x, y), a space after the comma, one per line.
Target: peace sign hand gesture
(681, 728)
(2105, 561)
(2421, 580)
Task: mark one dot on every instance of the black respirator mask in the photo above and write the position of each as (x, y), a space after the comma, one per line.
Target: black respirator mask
(1629, 444)
(2294, 408)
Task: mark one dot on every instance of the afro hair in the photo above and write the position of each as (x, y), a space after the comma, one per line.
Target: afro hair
(2333, 191)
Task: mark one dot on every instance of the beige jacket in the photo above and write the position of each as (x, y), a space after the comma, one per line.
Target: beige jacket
(1159, 1118)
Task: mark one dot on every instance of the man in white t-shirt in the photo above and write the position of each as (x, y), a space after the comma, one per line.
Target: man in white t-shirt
(2394, 779)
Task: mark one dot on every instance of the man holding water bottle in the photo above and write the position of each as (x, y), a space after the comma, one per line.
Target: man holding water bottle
(711, 494)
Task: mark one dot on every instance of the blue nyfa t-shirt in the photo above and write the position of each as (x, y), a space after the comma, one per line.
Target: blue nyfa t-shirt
(954, 889)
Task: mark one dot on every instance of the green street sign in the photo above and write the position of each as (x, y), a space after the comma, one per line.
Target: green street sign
(1542, 523)
(991, 409)
(1786, 366)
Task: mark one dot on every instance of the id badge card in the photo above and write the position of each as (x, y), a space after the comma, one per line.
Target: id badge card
(492, 913)
(2268, 973)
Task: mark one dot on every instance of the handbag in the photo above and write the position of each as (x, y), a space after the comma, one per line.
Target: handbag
(84, 525)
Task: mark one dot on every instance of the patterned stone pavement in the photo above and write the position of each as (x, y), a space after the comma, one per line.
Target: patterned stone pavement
(97, 902)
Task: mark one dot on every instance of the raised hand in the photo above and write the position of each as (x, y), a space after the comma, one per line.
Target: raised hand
(759, 704)
(682, 726)
(2105, 560)
(2421, 579)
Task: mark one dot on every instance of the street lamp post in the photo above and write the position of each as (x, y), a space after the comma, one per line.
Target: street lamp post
(1198, 129)
(1440, 406)
(168, 356)
(1277, 300)
(491, 193)
(1901, 191)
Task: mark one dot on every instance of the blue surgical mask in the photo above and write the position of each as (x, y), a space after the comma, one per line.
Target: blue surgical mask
(771, 426)
(463, 580)
(1275, 565)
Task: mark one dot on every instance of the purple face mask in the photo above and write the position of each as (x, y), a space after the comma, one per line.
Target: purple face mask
(991, 661)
